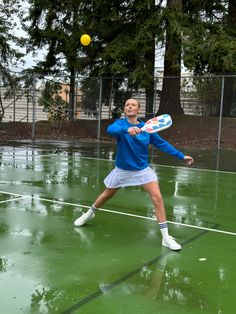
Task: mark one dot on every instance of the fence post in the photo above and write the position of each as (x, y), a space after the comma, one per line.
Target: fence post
(221, 110)
(155, 97)
(100, 109)
(34, 106)
(154, 111)
(14, 104)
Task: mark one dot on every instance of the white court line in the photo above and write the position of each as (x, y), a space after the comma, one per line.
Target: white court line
(197, 169)
(171, 222)
(30, 155)
(121, 213)
(12, 199)
(154, 164)
(47, 155)
(167, 166)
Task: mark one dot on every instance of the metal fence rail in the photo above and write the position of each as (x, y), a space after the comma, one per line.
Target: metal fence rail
(49, 98)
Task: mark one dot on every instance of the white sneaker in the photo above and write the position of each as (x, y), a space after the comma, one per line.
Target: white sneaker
(171, 243)
(83, 219)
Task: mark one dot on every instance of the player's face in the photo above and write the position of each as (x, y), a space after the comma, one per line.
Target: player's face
(131, 107)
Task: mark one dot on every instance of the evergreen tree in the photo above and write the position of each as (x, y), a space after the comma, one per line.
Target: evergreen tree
(123, 46)
(57, 26)
(200, 33)
(9, 56)
(210, 46)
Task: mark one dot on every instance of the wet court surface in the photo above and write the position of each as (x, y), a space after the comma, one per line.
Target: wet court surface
(116, 263)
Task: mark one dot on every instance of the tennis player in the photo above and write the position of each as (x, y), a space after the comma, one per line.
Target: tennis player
(132, 167)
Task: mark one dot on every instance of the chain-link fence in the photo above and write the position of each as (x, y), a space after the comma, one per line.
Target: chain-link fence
(208, 103)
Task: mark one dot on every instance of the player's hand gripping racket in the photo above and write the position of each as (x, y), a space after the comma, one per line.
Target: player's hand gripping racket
(157, 124)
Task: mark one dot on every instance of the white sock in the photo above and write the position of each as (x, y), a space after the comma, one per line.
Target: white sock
(92, 210)
(164, 229)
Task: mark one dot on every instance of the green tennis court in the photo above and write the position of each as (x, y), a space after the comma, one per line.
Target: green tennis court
(116, 263)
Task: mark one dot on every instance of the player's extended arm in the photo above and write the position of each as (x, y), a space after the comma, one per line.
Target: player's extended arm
(165, 146)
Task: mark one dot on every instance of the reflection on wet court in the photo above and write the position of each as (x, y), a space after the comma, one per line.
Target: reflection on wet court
(116, 263)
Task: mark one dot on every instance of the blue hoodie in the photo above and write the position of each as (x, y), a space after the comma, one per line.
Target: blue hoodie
(132, 151)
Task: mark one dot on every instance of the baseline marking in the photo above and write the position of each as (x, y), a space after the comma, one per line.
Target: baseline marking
(167, 166)
(111, 160)
(121, 213)
(30, 155)
(12, 199)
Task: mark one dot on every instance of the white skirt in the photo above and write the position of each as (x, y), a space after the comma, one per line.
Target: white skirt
(120, 178)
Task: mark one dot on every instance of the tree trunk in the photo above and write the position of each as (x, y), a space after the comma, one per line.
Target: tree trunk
(2, 111)
(170, 95)
(229, 83)
(229, 95)
(149, 90)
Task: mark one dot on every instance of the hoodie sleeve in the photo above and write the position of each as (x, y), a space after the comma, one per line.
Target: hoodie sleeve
(165, 146)
(117, 128)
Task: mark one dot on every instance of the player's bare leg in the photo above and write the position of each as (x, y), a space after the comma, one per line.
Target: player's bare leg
(105, 196)
(153, 190)
(90, 214)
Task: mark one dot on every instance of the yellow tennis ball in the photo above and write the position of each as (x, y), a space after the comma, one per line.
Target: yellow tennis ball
(85, 40)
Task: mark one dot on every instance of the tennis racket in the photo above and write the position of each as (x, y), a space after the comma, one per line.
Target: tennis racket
(157, 124)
